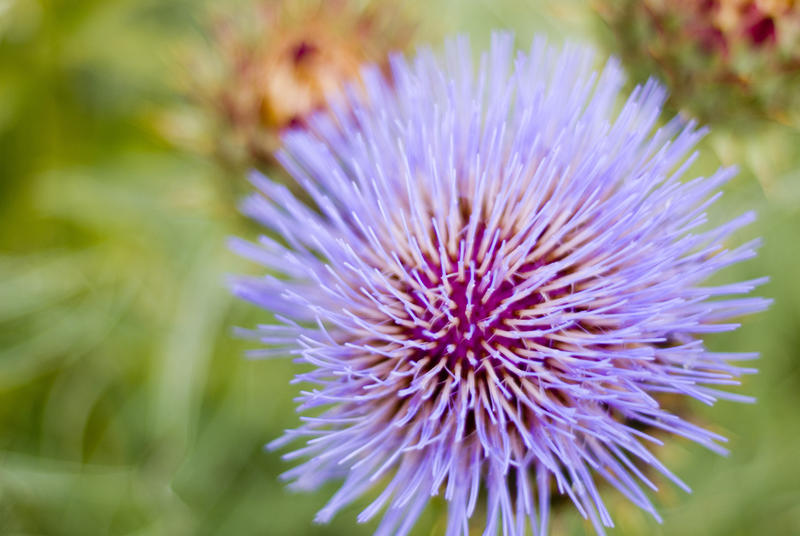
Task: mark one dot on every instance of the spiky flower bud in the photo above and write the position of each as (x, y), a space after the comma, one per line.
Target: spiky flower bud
(281, 61)
(498, 284)
(721, 59)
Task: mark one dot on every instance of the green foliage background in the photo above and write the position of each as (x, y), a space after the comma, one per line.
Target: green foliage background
(126, 406)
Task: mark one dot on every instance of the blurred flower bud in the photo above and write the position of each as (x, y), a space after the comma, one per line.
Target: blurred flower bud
(723, 60)
(280, 61)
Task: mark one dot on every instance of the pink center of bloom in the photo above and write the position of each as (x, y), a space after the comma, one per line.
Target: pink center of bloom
(473, 312)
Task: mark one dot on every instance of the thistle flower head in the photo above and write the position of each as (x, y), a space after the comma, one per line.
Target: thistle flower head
(498, 283)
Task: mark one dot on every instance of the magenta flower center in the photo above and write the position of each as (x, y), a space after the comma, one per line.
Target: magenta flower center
(473, 307)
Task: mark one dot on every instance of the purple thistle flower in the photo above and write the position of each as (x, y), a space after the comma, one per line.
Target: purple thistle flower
(497, 282)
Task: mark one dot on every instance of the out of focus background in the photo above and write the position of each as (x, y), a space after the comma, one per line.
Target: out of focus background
(126, 405)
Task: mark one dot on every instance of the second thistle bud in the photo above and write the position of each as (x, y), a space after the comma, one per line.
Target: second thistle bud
(722, 59)
(281, 62)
